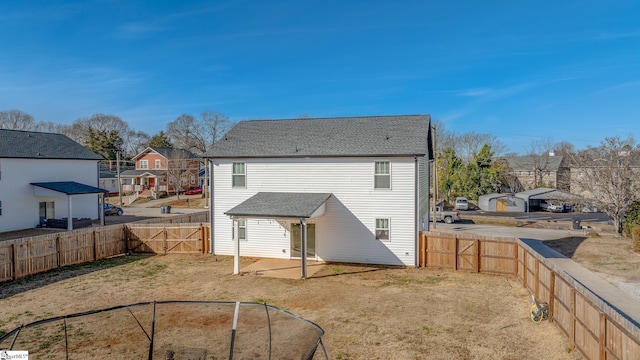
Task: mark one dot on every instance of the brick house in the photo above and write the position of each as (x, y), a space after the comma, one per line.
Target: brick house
(161, 170)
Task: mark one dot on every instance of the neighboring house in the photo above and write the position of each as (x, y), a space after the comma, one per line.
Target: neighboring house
(46, 176)
(350, 189)
(109, 175)
(531, 172)
(161, 169)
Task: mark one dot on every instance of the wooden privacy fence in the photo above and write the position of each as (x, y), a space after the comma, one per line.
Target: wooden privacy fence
(32, 255)
(591, 324)
(168, 238)
(470, 252)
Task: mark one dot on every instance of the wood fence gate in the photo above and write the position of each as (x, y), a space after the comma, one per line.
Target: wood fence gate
(168, 238)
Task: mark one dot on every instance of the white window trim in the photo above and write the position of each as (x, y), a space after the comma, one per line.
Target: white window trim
(158, 163)
(242, 227)
(144, 164)
(375, 174)
(244, 167)
(375, 225)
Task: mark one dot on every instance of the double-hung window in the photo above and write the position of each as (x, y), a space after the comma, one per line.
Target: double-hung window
(242, 229)
(239, 176)
(144, 164)
(158, 163)
(382, 229)
(382, 177)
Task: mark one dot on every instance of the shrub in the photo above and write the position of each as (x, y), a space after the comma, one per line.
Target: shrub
(632, 218)
(635, 235)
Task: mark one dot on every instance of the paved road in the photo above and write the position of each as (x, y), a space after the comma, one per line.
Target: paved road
(542, 215)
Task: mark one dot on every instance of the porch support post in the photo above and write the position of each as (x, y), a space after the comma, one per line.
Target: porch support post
(236, 250)
(69, 214)
(303, 250)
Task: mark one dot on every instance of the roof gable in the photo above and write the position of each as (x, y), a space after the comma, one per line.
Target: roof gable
(40, 145)
(405, 135)
(167, 153)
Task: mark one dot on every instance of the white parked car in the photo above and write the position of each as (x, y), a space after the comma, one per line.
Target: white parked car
(462, 203)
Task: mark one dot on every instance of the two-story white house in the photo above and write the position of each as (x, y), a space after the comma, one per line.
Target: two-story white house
(45, 176)
(352, 189)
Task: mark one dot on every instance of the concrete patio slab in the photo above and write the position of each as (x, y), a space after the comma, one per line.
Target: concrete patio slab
(282, 268)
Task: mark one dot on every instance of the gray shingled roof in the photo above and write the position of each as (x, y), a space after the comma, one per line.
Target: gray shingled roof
(280, 205)
(70, 187)
(527, 163)
(39, 145)
(404, 135)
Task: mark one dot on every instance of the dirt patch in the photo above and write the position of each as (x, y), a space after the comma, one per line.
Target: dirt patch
(610, 256)
(368, 312)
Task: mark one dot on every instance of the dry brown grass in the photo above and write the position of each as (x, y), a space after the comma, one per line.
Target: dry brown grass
(368, 312)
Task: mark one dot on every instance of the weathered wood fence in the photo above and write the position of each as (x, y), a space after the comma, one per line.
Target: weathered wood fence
(593, 326)
(32, 255)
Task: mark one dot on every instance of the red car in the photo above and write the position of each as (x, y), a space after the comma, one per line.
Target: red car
(194, 191)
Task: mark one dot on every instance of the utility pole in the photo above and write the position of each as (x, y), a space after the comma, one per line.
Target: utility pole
(119, 180)
(435, 178)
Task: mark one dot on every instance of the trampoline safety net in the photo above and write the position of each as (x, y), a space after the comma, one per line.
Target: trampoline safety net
(172, 330)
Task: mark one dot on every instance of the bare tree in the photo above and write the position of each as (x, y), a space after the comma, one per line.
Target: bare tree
(17, 120)
(106, 123)
(135, 141)
(181, 166)
(540, 153)
(215, 125)
(186, 132)
(607, 175)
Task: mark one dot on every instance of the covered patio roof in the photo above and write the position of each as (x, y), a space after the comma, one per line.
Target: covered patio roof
(69, 188)
(281, 205)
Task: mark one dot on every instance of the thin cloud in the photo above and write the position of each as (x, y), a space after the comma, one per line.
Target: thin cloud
(624, 85)
(617, 35)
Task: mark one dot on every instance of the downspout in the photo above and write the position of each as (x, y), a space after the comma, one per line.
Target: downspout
(416, 198)
(211, 213)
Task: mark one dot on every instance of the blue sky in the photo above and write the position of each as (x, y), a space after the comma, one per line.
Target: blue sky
(520, 70)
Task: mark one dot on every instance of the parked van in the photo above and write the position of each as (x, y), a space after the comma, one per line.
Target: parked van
(462, 203)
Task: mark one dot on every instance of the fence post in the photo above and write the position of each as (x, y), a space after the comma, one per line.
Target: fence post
(476, 245)
(14, 251)
(202, 236)
(166, 247)
(125, 238)
(552, 295)
(603, 336)
(455, 254)
(525, 269)
(572, 316)
(95, 246)
(516, 248)
(537, 278)
(58, 252)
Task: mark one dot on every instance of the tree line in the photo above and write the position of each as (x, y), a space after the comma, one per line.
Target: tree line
(468, 164)
(107, 134)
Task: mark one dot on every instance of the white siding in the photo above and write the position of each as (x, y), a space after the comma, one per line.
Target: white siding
(20, 207)
(346, 232)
